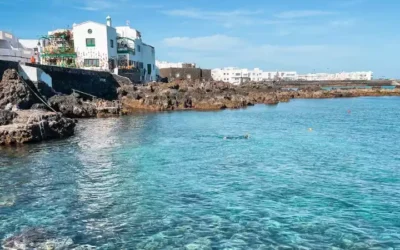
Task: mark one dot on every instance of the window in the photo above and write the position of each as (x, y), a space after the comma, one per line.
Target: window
(112, 43)
(91, 62)
(90, 42)
(238, 74)
(89, 31)
(138, 48)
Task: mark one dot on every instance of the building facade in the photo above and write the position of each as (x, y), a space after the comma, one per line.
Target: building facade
(11, 49)
(134, 53)
(343, 76)
(95, 45)
(57, 48)
(238, 76)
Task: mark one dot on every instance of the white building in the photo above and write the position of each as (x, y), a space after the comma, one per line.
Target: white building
(343, 76)
(237, 75)
(167, 65)
(11, 49)
(95, 45)
(133, 52)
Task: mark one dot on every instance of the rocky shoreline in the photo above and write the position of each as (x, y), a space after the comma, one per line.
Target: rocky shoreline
(26, 126)
(34, 112)
(40, 113)
(220, 95)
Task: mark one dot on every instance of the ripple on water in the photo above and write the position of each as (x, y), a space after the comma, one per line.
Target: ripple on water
(169, 180)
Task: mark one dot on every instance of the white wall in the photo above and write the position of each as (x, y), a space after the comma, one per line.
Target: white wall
(126, 31)
(144, 53)
(112, 35)
(34, 74)
(102, 49)
(148, 57)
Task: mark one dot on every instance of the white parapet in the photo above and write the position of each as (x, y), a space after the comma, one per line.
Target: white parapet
(34, 74)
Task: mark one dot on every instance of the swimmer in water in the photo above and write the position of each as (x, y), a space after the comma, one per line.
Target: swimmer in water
(247, 136)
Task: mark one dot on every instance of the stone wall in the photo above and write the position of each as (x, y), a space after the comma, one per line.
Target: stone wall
(185, 74)
(64, 80)
(132, 74)
(206, 74)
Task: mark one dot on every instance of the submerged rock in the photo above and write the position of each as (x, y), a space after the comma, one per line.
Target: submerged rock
(35, 126)
(38, 239)
(7, 201)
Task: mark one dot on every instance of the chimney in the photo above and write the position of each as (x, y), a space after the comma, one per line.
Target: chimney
(108, 21)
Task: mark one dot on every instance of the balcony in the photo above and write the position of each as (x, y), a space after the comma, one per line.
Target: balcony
(125, 50)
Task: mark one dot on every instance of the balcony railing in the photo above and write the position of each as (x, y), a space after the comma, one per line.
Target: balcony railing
(121, 49)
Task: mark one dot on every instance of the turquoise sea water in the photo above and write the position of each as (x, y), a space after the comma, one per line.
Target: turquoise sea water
(170, 181)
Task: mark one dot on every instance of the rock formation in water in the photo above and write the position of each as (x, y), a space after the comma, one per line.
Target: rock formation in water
(179, 96)
(75, 107)
(219, 95)
(25, 126)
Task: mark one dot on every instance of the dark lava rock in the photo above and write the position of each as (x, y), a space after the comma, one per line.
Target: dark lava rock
(73, 107)
(35, 126)
(13, 90)
(6, 117)
(40, 106)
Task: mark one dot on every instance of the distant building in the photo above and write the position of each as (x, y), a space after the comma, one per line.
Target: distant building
(11, 49)
(343, 76)
(238, 76)
(166, 65)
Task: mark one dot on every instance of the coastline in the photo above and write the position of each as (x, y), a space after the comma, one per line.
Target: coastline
(39, 99)
(218, 95)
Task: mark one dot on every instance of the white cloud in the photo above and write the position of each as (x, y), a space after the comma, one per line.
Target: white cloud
(149, 6)
(206, 43)
(210, 15)
(227, 19)
(96, 5)
(303, 13)
(221, 50)
(342, 23)
(349, 3)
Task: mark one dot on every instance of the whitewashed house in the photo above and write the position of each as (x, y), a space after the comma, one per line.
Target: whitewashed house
(11, 49)
(238, 76)
(95, 45)
(134, 53)
(342, 76)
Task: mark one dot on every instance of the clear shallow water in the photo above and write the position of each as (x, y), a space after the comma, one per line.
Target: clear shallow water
(169, 180)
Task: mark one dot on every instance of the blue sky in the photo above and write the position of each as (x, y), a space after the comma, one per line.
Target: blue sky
(299, 35)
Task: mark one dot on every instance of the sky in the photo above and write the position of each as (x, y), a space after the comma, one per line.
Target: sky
(293, 35)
